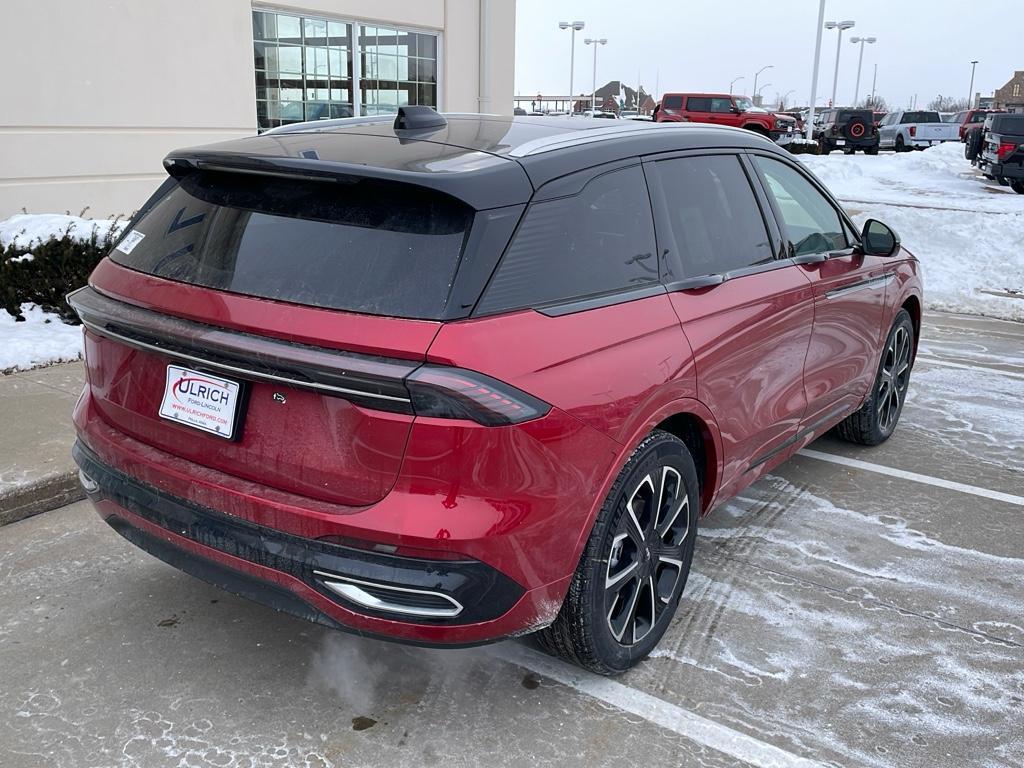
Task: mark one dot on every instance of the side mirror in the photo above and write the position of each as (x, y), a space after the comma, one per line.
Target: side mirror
(877, 239)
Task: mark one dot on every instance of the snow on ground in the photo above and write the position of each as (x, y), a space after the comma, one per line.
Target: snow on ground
(27, 228)
(967, 231)
(40, 340)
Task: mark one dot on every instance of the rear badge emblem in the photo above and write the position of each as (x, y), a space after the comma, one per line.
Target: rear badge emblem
(279, 398)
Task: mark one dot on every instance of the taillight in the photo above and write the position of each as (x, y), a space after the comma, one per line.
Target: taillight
(455, 393)
(913, 131)
(1005, 150)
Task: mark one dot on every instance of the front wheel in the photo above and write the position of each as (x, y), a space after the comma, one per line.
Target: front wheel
(871, 150)
(900, 146)
(633, 569)
(1002, 181)
(876, 420)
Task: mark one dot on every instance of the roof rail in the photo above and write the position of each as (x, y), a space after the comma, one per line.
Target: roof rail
(561, 141)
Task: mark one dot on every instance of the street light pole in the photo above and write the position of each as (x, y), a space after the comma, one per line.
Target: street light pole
(874, 80)
(595, 42)
(839, 25)
(860, 62)
(575, 26)
(814, 77)
(756, 74)
(785, 96)
(970, 91)
(733, 82)
(757, 94)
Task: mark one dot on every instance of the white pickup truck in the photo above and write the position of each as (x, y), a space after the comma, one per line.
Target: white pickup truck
(916, 129)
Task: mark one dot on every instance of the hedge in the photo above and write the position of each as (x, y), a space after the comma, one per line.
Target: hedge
(55, 267)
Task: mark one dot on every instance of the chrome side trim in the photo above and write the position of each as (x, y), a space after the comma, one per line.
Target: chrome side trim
(349, 588)
(874, 282)
(237, 370)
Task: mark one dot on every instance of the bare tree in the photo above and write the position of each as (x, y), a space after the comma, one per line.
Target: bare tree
(878, 104)
(947, 104)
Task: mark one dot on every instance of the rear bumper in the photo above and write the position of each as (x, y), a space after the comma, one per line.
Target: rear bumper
(1006, 170)
(293, 574)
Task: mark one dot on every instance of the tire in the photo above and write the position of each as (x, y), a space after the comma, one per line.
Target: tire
(849, 151)
(1002, 181)
(900, 146)
(871, 150)
(826, 146)
(876, 420)
(855, 129)
(972, 145)
(1017, 186)
(609, 599)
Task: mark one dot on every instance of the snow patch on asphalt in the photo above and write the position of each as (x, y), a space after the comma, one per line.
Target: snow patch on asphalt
(43, 338)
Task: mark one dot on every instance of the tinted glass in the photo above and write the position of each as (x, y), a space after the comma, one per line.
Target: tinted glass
(714, 216)
(812, 224)
(371, 247)
(598, 241)
(847, 115)
(673, 102)
(978, 117)
(921, 117)
(721, 105)
(698, 104)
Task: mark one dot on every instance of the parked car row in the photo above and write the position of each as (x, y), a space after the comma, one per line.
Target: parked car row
(996, 148)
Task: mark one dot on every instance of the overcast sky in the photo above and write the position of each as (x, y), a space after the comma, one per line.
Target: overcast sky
(924, 46)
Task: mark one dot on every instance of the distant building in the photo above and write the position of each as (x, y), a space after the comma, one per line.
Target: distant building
(616, 95)
(1011, 96)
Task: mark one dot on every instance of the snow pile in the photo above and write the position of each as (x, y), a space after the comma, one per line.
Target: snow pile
(27, 228)
(40, 340)
(967, 231)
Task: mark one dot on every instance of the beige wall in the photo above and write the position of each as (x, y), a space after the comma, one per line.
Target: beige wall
(108, 88)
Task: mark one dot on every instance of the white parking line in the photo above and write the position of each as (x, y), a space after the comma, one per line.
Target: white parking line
(938, 482)
(964, 366)
(657, 711)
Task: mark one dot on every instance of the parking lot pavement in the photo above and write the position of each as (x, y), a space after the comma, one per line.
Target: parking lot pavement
(856, 607)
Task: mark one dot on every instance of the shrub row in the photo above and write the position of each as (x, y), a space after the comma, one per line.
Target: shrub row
(56, 267)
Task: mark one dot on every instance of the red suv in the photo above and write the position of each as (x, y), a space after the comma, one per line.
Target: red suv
(972, 118)
(450, 380)
(725, 109)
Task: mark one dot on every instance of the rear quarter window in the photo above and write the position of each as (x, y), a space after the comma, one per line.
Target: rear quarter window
(672, 102)
(596, 242)
(367, 246)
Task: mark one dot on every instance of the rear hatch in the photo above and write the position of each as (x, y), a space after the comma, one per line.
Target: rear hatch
(263, 325)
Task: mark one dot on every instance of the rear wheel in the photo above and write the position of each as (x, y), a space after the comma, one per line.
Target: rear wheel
(876, 420)
(900, 146)
(1017, 186)
(1003, 181)
(972, 144)
(826, 146)
(635, 564)
(871, 150)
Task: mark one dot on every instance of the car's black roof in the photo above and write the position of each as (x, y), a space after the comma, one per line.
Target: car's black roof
(485, 160)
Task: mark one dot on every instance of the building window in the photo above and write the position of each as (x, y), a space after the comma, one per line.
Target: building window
(1016, 89)
(396, 68)
(306, 70)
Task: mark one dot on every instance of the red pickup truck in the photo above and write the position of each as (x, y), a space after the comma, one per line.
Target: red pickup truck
(972, 118)
(724, 109)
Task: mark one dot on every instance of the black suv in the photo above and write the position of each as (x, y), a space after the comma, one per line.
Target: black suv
(848, 130)
(997, 148)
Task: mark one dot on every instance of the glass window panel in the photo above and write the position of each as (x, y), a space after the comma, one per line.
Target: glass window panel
(387, 67)
(387, 41)
(338, 62)
(292, 111)
(338, 33)
(315, 31)
(289, 58)
(264, 26)
(427, 95)
(261, 78)
(426, 46)
(341, 110)
(426, 70)
(403, 68)
(317, 111)
(316, 61)
(260, 50)
(289, 29)
(368, 38)
(406, 44)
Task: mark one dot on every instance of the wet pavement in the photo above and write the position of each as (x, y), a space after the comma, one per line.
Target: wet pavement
(865, 607)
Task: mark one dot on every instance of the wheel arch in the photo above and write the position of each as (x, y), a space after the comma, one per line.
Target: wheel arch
(756, 128)
(913, 306)
(696, 434)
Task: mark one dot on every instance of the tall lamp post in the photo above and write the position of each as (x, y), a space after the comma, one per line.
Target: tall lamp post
(733, 82)
(757, 93)
(785, 96)
(814, 76)
(594, 42)
(575, 26)
(757, 74)
(840, 25)
(860, 61)
(970, 91)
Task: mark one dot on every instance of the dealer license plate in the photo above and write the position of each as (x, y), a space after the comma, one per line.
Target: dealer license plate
(197, 399)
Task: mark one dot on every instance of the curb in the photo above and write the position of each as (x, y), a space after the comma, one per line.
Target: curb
(41, 495)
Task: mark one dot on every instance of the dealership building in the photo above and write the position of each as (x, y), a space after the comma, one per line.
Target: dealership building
(98, 92)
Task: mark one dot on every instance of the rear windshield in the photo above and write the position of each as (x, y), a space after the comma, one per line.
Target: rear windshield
(847, 115)
(921, 117)
(1012, 125)
(367, 246)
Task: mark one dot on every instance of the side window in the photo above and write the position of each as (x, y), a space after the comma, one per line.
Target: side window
(714, 216)
(672, 102)
(721, 105)
(812, 224)
(598, 241)
(698, 104)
